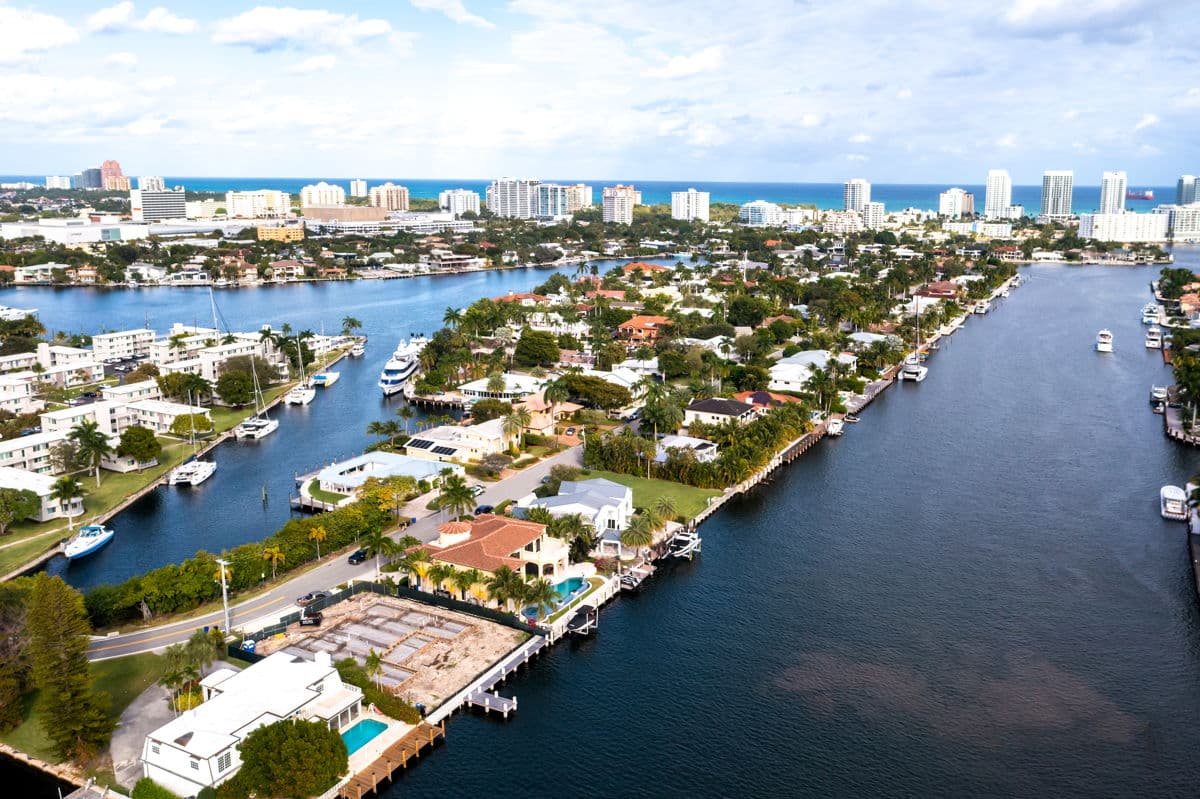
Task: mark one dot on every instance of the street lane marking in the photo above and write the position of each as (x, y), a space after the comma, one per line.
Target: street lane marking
(160, 636)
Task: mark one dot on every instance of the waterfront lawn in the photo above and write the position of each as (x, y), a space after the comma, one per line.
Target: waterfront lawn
(123, 679)
(688, 500)
(316, 492)
(21, 552)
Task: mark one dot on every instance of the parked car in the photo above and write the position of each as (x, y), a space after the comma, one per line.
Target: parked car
(358, 556)
(90, 394)
(545, 479)
(484, 509)
(311, 597)
(570, 431)
(477, 490)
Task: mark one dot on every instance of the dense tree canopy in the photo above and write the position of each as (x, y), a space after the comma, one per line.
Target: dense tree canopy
(288, 759)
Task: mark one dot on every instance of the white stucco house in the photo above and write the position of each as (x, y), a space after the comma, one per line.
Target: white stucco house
(603, 504)
(704, 450)
(42, 485)
(792, 373)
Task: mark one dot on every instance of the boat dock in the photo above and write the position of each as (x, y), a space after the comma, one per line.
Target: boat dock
(396, 756)
(1174, 428)
(488, 702)
(474, 694)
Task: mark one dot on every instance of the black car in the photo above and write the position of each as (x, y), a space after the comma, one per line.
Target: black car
(311, 597)
(484, 509)
(358, 556)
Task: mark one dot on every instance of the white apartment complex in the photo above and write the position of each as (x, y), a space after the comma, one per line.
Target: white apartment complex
(358, 187)
(43, 486)
(1057, 189)
(954, 203)
(259, 204)
(1185, 190)
(389, 196)
(873, 214)
(842, 222)
(690, 204)
(998, 195)
(856, 193)
(58, 182)
(1112, 192)
(122, 344)
(513, 198)
(618, 204)
(552, 201)
(1183, 221)
(459, 201)
(1127, 227)
(760, 213)
(322, 194)
(155, 205)
(151, 183)
(579, 196)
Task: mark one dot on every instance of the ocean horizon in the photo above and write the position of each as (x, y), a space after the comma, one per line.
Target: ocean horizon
(894, 196)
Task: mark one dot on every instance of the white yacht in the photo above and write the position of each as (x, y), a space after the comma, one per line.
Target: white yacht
(301, 394)
(358, 350)
(256, 427)
(983, 306)
(89, 538)
(402, 365)
(835, 427)
(1104, 341)
(1150, 314)
(1158, 393)
(325, 379)
(1172, 502)
(192, 473)
(916, 372)
(1154, 340)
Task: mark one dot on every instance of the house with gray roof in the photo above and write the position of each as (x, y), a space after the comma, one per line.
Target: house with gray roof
(601, 503)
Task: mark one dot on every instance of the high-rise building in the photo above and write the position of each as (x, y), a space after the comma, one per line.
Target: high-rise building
(551, 201)
(89, 179)
(58, 182)
(358, 188)
(459, 201)
(389, 196)
(513, 198)
(579, 196)
(148, 183)
(1124, 227)
(261, 204)
(1057, 187)
(1185, 190)
(112, 178)
(1013, 212)
(998, 196)
(618, 204)
(322, 194)
(873, 215)
(856, 194)
(954, 203)
(1184, 221)
(690, 204)
(760, 213)
(149, 205)
(1112, 192)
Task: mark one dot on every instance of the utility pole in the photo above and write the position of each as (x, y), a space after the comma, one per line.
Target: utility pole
(224, 593)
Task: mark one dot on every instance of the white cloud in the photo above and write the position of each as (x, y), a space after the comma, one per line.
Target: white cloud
(857, 157)
(811, 120)
(1147, 120)
(1114, 20)
(24, 32)
(157, 84)
(1070, 114)
(681, 66)
(147, 125)
(317, 63)
(904, 94)
(275, 27)
(859, 138)
(1007, 141)
(454, 9)
(122, 59)
(121, 17)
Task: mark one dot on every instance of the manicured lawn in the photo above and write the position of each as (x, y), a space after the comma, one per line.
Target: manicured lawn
(325, 496)
(688, 500)
(121, 678)
(12, 557)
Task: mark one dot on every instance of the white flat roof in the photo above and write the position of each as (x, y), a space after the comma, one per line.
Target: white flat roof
(20, 479)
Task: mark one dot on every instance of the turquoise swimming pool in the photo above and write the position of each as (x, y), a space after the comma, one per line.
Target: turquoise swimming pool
(361, 734)
(566, 591)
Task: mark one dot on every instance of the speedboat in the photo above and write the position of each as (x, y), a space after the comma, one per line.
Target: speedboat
(325, 379)
(1104, 341)
(1154, 339)
(89, 538)
(301, 394)
(850, 418)
(358, 350)
(916, 373)
(835, 427)
(1150, 314)
(1172, 501)
(256, 427)
(1158, 393)
(982, 307)
(402, 365)
(1004, 294)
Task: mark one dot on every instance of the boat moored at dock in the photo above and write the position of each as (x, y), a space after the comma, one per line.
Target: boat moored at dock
(300, 394)
(1172, 502)
(325, 379)
(1154, 338)
(89, 539)
(835, 427)
(358, 350)
(402, 365)
(192, 473)
(983, 306)
(913, 372)
(1104, 341)
(1158, 393)
(256, 427)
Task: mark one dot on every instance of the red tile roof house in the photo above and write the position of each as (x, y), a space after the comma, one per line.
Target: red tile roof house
(945, 289)
(490, 541)
(645, 269)
(524, 298)
(643, 329)
(765, 399)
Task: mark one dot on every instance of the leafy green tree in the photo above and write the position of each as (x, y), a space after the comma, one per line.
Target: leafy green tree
(73, 715)
(349, 325)
(14, 650)
(91, 443)
(536, 348)
(487, 409)
(295, 759)
(186, 423)
(139, 443)
(747, 311)
(541, 595)
(183, 385)
(639, 533)
(65, 490)
(596, 391)
(235, 388)
(16, 504)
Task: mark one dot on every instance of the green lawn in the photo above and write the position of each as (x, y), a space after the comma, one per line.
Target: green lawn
(123, 679)
(688, 500)
(325, 496)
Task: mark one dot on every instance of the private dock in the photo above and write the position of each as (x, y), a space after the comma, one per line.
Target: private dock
(394, 757)
(488, 702)
(474, 694)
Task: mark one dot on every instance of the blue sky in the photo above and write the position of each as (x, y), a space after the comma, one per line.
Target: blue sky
(922, 91)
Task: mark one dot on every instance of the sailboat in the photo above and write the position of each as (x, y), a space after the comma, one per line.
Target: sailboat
(303, 392)
(194, 471)
(259, 425)
(912, 369)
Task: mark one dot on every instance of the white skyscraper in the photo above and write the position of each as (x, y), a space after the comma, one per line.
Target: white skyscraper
(551, 201)
(358, 188)
(953, 203)
(690, 204)
(856, 194)
(579, 196)
(1112, 192)
(999, 194)
(257, 204)
(873, 215)
(1122, 227)
(513, 198)
(761, 213)
(618, 204)
(459, 201)
(390, 196)
(154, 205)
(322, 194)
(1057, 186)
(58, 182)
(1185, 190)
(147, 183)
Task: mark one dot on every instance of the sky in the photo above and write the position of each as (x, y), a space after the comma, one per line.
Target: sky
(922, 91)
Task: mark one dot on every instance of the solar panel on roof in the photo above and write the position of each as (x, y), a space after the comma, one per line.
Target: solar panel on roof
(443, 450)
(420, 443)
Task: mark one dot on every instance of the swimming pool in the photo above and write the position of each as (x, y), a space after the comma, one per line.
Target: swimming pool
(361, 734)
(569, 586)
(565, 590)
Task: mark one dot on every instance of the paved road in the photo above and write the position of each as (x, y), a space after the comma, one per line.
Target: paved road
(268, 607)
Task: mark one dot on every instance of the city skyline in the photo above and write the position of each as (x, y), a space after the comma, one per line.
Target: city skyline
(621, 90)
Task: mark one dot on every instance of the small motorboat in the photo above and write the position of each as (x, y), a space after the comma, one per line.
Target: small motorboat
(358, 350)
(1172, 502)
(301, 394)
(89, 539)
(835, 427)
(1158, 393)
(850, 418)
(1104, 341)
(325, 379)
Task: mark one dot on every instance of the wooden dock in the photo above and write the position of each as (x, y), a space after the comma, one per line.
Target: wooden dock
(394, 757)
(488, 702)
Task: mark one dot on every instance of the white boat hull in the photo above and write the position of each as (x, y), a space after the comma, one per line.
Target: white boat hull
(81, 545)
(1102, 346)
(325, 379)
(1172, 501)
(256, 431)
(835, 427)
(300, 395)
(914, 374)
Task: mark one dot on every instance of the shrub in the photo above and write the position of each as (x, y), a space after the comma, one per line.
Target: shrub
(147, 788)
(388, 704)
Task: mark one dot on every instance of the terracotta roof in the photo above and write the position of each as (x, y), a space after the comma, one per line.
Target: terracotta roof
(641, 266)
(764, 398)
(644, 322)
(522, 296)
(493, 541)
(455, 527)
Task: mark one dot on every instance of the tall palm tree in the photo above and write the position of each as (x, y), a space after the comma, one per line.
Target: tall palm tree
(639, 533)
(414, 564)
(406, 413)
(318, 534)
(554, 393)
(378, 429)
(452, 317)
(275, 556)
(437, 574)
(378, 544)
(66, 490)
(349, 325)
(539, 515)
(496, 383)
(455, 496)
(515, 423)
(373, 665)
(91, 443)
(541, 595)
(465, 579)
(664, 508)
(504, 586)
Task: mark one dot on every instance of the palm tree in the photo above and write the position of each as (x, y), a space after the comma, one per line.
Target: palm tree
(515, 423)
(437, 574)
(504, 586)
(664, 508)
(496, 383)
(455, 496)
(349, 325)
(378, 543)
(452, 318)
(406, 413)
(541, 594)
(539, 515)
(464, 579)
(373, 665)
(378, 429)
(91, 443)
(275, 556)
(639, 533)
(414, 563)
(318, 535)
(66, 490)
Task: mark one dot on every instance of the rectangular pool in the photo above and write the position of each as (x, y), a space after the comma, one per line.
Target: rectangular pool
(361, 734)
